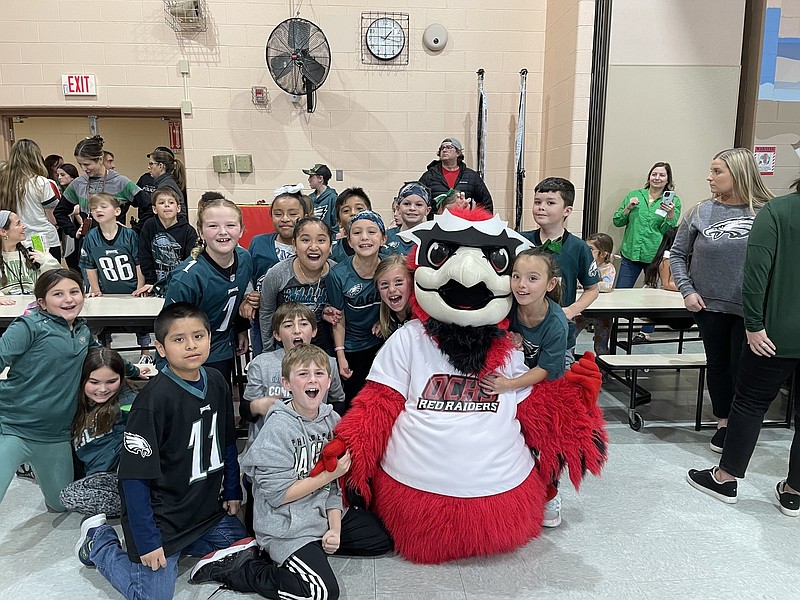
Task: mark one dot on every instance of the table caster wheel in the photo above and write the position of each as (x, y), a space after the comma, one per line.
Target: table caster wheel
(636, 421)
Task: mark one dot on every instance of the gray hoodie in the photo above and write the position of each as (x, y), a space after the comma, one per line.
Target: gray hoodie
(285, 451)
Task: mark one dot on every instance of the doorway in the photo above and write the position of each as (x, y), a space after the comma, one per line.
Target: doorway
(130, 136)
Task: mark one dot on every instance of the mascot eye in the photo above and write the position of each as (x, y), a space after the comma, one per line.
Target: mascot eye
(438, 253)
(498, 258)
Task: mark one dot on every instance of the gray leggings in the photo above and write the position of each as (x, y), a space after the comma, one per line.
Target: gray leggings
(92, 495)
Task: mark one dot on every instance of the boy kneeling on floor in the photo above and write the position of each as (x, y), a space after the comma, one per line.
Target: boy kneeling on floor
(179, 451)
(298, 517)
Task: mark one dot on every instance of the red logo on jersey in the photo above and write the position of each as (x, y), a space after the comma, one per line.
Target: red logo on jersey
(456, 393)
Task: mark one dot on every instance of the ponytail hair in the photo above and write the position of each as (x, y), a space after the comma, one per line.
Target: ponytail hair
(387, 323)
(172, 165)
(201, 211)
(552, 270)
(651, 276)
(24, 163)
(90, 148)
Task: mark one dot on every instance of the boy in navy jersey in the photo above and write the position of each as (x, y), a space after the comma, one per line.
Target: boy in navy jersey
(179, 450)
(110, 256)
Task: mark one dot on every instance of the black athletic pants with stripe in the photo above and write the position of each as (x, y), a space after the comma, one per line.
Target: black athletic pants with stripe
(307, 573)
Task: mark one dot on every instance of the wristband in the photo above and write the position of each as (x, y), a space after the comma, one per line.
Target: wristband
(338, 348)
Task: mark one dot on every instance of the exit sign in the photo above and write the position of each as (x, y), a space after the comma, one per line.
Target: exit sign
(79, 85)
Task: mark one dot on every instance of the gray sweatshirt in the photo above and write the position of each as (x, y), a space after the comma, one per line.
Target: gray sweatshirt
(284, 452)
(715, 235)
(264, 379)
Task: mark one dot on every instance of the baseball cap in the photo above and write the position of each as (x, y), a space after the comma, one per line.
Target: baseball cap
(162, 149)
(454, 141)
(319, 169)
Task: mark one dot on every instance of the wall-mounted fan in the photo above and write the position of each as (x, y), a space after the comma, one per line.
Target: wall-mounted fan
(299, 58)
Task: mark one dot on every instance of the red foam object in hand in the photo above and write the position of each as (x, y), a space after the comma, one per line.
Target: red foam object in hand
(329, 457)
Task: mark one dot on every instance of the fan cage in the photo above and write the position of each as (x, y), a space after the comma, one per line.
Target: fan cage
(287, 38)
(186, 16)
(367, 57)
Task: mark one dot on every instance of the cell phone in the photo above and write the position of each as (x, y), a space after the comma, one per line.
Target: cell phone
(667, 198)
(37, 243)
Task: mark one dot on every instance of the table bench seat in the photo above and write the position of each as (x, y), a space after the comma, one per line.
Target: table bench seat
(633, 363)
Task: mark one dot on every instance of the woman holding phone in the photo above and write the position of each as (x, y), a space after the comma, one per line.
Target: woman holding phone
(646, 214)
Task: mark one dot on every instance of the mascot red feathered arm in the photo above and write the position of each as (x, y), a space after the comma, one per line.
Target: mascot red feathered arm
(451, 469)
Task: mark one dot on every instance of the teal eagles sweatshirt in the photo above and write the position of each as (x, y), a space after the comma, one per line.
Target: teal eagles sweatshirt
(39, 398)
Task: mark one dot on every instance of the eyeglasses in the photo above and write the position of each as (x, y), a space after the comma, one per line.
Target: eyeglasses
(447, 147)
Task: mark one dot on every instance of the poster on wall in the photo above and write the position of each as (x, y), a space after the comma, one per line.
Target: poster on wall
(765, 157)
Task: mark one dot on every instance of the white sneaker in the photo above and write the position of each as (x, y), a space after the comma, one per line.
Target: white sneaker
(145, 359)
(552, 512)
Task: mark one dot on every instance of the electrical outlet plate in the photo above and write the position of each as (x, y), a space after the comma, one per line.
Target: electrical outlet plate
(223, 163)
(244, 163)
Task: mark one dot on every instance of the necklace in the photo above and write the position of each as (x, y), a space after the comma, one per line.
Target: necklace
(308, 280)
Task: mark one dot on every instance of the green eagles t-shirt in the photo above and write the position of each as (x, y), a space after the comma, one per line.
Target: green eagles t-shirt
(544, 345)
(115, 260)
(359, 300)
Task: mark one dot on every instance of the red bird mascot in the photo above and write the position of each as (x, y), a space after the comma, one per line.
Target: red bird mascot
(452, 471)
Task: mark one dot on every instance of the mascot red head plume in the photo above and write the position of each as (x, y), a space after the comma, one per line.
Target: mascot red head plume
(449, 468)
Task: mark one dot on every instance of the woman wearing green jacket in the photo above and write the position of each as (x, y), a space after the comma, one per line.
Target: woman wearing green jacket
(646, 215)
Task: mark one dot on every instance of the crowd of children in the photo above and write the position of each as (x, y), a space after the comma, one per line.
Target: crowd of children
(319, 296)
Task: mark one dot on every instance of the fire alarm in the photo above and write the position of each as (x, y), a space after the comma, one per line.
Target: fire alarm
(260, 96)
(435, 37)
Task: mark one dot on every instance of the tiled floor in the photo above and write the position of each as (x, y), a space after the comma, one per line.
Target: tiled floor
(637, 532)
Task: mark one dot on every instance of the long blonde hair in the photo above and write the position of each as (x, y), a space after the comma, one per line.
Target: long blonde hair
(387, 324)
(747, 182)
(24, 163)
(201, 210)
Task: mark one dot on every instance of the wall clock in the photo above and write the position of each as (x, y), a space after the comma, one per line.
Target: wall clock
(384, 38)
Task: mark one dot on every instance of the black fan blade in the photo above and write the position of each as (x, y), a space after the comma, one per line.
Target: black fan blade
(280, 64)
(313, 70)
(299, 33)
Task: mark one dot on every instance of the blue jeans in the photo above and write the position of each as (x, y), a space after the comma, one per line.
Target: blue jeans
(138, 582)
(629, 271)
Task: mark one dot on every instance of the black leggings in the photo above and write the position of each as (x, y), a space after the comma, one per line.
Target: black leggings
(723, 339)
(360, 362)
(307, 573)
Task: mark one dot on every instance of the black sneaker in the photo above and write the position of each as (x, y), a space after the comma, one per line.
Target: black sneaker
(641, 338)
(790, 503)
(84, 546)
(705, 482)
(718, 440)
(25, 471)
(217, 565)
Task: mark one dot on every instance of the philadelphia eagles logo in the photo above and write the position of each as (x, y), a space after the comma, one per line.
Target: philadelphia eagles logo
(354, 291)
(136, 444)
(736, 228)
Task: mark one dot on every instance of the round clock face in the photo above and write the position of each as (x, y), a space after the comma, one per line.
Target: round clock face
(385, 38)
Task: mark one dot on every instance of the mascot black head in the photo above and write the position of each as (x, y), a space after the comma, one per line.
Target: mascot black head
(462, 281)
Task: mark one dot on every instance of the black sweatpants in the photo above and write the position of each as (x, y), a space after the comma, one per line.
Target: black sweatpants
(360, 362)
(757, 385)
(307, 573)
(723, 340)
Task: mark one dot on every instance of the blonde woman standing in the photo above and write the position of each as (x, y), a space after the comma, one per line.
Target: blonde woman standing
(715, 234)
